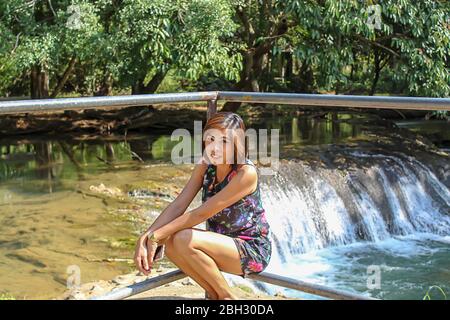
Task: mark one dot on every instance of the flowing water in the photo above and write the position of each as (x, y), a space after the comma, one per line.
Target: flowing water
(352, 199)
(339, 229)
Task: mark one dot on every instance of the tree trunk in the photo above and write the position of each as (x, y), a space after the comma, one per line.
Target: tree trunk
(377, 70)
(306, 79)
(152, 86)
(250, 75)
(105, 88)
(39, 83)
(65, 76)
(253, 57)
(288, 59)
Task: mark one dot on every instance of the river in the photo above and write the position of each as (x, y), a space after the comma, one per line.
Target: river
(352, 199)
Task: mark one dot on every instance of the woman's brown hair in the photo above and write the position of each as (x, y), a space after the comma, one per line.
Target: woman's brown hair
(232, 121)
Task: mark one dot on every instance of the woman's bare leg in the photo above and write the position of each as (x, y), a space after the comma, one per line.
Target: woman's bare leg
(208, 253)
(181, 263)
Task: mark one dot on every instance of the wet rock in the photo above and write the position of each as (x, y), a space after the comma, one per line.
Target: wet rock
(109, 191)
(144, 193)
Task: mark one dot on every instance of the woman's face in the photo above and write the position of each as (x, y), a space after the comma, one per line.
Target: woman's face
(219, 148)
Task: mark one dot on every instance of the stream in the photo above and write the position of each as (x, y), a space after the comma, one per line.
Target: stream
(353, 194)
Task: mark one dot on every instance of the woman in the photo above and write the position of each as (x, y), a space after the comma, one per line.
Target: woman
(237, 239)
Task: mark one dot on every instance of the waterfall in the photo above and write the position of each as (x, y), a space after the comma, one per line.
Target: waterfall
(313, 208)
(374, 198)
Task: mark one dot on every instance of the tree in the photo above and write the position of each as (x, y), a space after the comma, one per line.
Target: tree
(190, 37)
(346, 46)
(42, 46)
(114, 43)
(409, 40)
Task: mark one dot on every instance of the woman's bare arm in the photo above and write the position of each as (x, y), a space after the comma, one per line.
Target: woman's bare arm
(244, 183)
(183, 200)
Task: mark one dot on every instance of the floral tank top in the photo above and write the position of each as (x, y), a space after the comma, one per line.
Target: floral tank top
(245, 219)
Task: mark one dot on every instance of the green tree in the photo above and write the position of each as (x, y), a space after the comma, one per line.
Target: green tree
(114, 43)
(41, 46)
(190, 37)
(346, 46)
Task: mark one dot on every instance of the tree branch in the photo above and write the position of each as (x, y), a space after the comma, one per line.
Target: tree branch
(248, 27)
(65, 76)
(379, 45)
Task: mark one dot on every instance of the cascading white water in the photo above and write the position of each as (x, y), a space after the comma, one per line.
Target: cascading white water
(310, 209)
(306, 213)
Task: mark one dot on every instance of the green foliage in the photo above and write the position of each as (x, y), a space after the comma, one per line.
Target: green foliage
(181, 35)
(412, 38)
(200, 47)
(129, 42)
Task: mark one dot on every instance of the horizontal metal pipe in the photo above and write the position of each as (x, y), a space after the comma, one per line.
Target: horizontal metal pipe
(312, 288)
(42, 105)
(271, 278)
(411, 103)
(331, 100)
(142, 286)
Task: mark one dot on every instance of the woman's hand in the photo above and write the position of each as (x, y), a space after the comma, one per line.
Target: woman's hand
(144, 253)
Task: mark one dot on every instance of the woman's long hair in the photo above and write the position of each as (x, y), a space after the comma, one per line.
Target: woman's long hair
(231, 121)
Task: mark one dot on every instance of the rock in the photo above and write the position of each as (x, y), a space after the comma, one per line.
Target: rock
(77, 295)
(111, 191)
(97, 290)
(124, 279)
(187, 282)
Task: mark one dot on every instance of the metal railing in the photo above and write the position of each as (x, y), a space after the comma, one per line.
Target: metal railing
(315, 289)
(212, 97)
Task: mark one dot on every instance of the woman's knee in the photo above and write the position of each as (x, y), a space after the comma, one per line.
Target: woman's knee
(182, 238)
